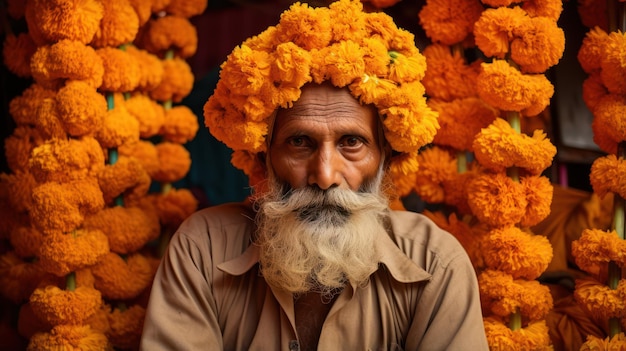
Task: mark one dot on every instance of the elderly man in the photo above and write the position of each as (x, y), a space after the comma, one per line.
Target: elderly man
(317, 260)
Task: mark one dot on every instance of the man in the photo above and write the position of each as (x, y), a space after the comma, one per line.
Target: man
(317, 260)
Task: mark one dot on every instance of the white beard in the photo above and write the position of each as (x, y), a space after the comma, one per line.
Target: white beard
(316, 241)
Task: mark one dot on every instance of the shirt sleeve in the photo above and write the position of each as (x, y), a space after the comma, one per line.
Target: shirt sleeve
(181, 312)
(451, 303)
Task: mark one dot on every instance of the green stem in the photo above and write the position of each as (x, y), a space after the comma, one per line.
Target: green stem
(70, 282)
(167, 105)
(169, 54)
(461, 162)
(514, 120)
(165, 188)
(515, 323)
(110, 101)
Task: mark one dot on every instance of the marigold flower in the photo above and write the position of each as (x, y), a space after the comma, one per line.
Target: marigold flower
(26, 241)
(496, 199)
(499, 146)
(599, 300)
(57, 20)
(128, 228)
(121, 70)
(119, 24)
(470, 236)
(593, 13)
(177, 81)
(180, 126)
(19, 145)
(28, 324)
(70, 337)
(149, 114)
(56, 306)
(539, 191)
(143, 9)
(605, 175)
(80, 108)
(449, 22)
(126, 327)
(150, 68)
(119, 128)
(62, 160)
(502, 295)
(613, 67)
(406, 68)
(495, 28)
(402, 171)
(307, 27)
(16, 53)
(607, 116)
(592, 49)
(62, 207)
(122, 279)
(518, 253)
(66, 59)
(593, 90)
(595, 248)
(504, 87)
(126, 178)
(371, 88)
(18, 278)
(347, 21)
(175, 206)
(602, 137)
(461, 120)
(170, 33)
(19, 186)
(500, 337)
(174, 161)
(550, 9)
(186, 8)
(251, 167)
(435, 166)
(145, 153)
(448, 76)
(342, 62)
(456, 191)
(538, 44)
(61, 254)
(615, 342)
(21, 107)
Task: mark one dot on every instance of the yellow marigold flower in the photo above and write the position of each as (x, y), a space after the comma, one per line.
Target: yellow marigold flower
(615, 342)
(290, 67)
(376, 57)
(121, 70)
(307, 27)
(402, 172)
(550, 9)
(65, 160)
(177, 81)
(469, 236)
(61, 254)
(26, 241)
(150, 68)
(180, 125)
(62, 207)
(149, 114)
(19, 145)
(504, 87)
(593, 13)
(126, 327)
(119, 24)
(19, 186)
(66, 60)
(22, 106)
(499, 146)
(170, 33)
(143, 9)
(119, 128)
(502, 295)
(81, 109)
(455, 190)
(55, 20)
(595, 248)
(448, 76)
(593, 90)
(592, 49)
(126, 178)
(342, 62)
(174, 162)
(406, 68)
(538, 44)
(451, 21)
(56, 306)
(496, 199)
(500, 337)
(602, 138)
(495, 28)
(539, 192)
(250, 166)
(608, 116)
(371, 88)
(128, 228)
(70, 337)
(605, 175)
(19, 278)
(186, 9)
(16, 53)
(28, 324)
(613, 67)
(122, 279)
(175, 206)
(460, 121)
(518, 253)
(347, 21)
(599, 300)
(143, 151)
(436, 166)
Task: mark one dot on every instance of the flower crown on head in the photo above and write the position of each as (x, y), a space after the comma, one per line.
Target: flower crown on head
(366, 52)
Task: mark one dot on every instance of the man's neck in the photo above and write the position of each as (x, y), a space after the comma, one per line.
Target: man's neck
(311, 310)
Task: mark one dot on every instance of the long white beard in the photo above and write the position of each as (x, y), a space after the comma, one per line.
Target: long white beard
(316, 240)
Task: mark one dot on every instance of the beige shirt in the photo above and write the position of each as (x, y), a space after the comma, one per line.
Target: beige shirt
(208, 294)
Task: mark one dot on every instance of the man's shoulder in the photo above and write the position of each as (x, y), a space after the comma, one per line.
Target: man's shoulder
(232, 218)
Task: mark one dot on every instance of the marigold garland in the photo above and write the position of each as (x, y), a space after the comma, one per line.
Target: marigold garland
(122, 279)
(62, 161)
(74, 337)
(119, 24)
(174, 162)
(170, 33)
(451, 22)
(61, 254)
(16, 53)
(180, 126)
(149, 114)
(57, 307)
(501, 338)
(448, 76)
(596, 248)
(121, 70)
(600, 300)
(80, 108)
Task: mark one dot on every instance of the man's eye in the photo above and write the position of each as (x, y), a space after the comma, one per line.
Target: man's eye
(352, 141)
(297, 141)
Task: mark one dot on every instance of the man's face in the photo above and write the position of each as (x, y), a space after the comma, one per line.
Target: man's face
(326, 139)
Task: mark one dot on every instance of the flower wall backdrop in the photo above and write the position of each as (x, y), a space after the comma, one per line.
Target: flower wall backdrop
(96, 129)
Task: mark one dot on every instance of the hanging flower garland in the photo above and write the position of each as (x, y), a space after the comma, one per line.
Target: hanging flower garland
(601, 253)
(81, 173)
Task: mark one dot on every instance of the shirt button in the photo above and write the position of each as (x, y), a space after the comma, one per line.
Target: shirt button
(294, 345)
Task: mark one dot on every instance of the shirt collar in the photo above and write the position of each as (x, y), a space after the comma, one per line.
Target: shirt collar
(401, 268)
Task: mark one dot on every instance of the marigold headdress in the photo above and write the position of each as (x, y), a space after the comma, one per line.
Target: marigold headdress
(365, 52)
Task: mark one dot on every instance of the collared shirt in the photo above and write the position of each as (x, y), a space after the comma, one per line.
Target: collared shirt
(208, 293)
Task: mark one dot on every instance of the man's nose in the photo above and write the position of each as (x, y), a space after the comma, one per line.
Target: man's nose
(325, 168)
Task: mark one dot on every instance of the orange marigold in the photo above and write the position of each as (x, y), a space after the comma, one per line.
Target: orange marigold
(613, 66)
(58, 307)
(186, 8)
(538, 45)
(436, 165)
(592, 49)
(119, 128)
(180, 125)
(544, 8)
(19, 278)
(456, 190)
(593, 13)
(125, 178)
(21, 107)
(121, 70)
(539, 192)
(150, 68)
(170, 33)
(19, 187)
(26, 241)
(119, 24)
(535, 336)
(177, 81)
(61, 254)
(599, 300)
(56, 20)
(607, 116)
(448, 76)
(145, 152)
(175, 206)
(615, 342)
(126, 327)
(149, 113)
(81, 109)
(174, 161)
(496, 199)
(120, 279)
(16, 53)
(451, 21)
(495, 28)
(70, 337)
(593, 90)
(605, 175)
(595, 248)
